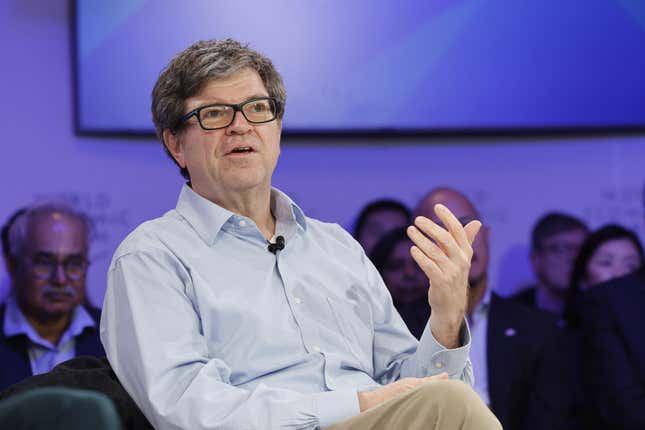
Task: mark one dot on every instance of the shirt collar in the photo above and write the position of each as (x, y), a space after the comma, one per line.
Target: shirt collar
(285, 210)
(208, 218)
(15, 322)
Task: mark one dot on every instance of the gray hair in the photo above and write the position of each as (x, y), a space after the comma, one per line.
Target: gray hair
(190, 70)
(18, 228)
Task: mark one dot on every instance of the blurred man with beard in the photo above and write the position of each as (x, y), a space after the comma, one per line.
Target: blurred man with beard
(511, 347)
(44, 321)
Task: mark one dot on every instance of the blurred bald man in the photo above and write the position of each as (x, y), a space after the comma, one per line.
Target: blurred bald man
(511, 347)
(46, 319)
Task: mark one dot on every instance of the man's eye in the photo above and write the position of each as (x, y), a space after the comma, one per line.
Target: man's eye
(75, 263)
(260, 107)
(213, 113)
(44, 261)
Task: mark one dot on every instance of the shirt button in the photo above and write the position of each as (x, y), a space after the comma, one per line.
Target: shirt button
(316, 348)
(438, 364)
(242, 223)
(298, 300)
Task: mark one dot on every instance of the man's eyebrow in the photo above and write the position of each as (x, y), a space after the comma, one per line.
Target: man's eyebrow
(45, 254)
(220, 102)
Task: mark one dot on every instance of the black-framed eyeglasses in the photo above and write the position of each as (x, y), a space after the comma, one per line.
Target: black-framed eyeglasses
(219, 115)
(44, 265)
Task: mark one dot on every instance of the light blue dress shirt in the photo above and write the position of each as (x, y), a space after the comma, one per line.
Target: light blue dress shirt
(207, 329)
(43, 355)
(478, 325)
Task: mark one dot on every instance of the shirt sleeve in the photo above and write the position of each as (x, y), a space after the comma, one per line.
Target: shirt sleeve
(397, 354)
(154, 340)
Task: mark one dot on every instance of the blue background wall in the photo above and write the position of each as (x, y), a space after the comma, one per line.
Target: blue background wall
(122, 182)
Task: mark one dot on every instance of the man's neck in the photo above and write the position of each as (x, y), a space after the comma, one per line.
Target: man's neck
(476, 293)
(254, 204)
(49, 328)
(549, 299)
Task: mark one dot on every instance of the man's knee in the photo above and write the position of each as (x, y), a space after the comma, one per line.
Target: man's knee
(449, 390)
(458, 400)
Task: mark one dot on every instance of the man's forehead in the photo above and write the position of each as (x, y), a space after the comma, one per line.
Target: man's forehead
(235, 88)
(56, 233)
(577, 234)
(458, 205)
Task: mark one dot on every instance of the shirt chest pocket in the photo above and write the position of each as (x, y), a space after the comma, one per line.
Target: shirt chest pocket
(355, 326)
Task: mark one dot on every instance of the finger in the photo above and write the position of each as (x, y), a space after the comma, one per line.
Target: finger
(440, 235)
(429, 267)
(442, 375)
(425, 245)
(453, 225)
(472, 228)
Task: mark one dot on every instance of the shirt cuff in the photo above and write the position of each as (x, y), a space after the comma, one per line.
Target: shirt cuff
(336, 406)
(452, 361)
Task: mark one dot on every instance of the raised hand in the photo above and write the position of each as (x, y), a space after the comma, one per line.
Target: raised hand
(444, 255)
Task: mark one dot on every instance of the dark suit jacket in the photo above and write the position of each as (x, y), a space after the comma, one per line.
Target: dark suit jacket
(612, 319)
(528, 382)
(15, 359)
(526, 296)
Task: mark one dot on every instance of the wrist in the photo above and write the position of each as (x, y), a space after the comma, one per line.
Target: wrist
(446, 331)
(447, 323)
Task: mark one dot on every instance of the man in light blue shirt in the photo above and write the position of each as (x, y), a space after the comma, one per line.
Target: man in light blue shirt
(237, 311)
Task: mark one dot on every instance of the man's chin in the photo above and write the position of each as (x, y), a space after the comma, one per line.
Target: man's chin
(58, 309)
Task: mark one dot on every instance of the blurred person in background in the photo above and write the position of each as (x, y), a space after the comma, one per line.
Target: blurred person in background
(377, 218)
(607, 306)
(555, 241)
(610, 252)
(45, 321)
(515, 360)
(406, 282)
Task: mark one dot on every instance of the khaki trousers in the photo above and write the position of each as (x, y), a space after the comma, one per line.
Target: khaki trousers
(438, 405)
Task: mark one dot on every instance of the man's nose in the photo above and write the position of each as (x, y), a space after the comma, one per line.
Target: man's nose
(239, 125)
(59, 277)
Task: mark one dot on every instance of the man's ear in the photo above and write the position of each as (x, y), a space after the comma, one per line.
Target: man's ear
(173, 144)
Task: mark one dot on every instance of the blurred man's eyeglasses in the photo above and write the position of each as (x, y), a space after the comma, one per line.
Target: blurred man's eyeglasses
(43, 266)
(560, 249)
(215, 116)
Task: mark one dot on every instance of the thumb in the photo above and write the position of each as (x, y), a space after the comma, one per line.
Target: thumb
(472, 228)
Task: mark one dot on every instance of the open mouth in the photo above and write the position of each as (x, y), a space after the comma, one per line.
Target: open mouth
(242, 150)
